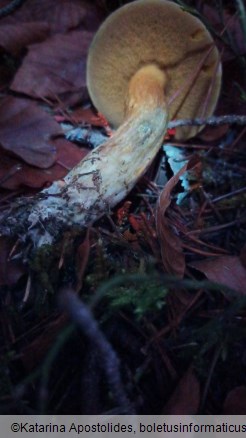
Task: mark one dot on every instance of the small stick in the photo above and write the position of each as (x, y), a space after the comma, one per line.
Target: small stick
(95, 137)
(211, 121)
(229, 195)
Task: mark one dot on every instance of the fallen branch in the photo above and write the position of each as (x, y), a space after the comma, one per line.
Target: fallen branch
(82, 317)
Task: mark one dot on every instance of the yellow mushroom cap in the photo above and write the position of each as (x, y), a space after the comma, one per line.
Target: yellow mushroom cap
(155, 32)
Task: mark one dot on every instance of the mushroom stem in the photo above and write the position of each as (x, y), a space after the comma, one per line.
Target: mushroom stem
(110, 171)
(146, 89)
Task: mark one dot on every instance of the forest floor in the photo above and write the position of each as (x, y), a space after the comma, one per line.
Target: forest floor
(159, 284)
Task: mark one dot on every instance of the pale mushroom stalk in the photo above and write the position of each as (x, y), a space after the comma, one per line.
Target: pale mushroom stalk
(111, 170)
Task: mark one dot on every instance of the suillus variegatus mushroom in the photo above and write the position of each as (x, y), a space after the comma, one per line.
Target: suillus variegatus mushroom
(149, 62)
(151, 53)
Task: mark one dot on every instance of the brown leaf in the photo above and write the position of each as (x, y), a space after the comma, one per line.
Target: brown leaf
(15, 174)
(185, 399)
(25, 130)
(235, 402)
(68, 154)
(171, 250)
(171, 247)
(15, 37)
(226, 270)
(61, 15)
(54, 67)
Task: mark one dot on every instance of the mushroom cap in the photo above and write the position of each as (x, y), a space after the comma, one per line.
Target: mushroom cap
(155, 32)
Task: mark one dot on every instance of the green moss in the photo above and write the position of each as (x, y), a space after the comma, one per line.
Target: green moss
(143, 295)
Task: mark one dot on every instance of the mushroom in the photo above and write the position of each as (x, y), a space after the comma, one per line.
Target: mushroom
(152, 54)
(149, 62)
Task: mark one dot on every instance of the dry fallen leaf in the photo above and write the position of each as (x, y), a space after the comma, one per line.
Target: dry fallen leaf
(226, 270)
(171, 246)
(60, 16)
(54, 67)
(15, 174)
(15, 37)
(25, 130)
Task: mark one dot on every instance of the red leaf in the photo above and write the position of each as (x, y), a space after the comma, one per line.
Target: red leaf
(25, 130)
(55, 66)
(226, 270)
(171, 247)
(185, 399)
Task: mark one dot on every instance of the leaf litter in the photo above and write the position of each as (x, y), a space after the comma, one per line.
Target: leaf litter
(189, 254)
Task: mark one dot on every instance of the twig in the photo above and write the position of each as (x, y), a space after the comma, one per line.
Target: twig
(210, 375)
(8, 9)
(242, 133)
(229, 195)
(94, 137)
(82, 317)
(87, 136)
(211, 121)
(216, 228)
